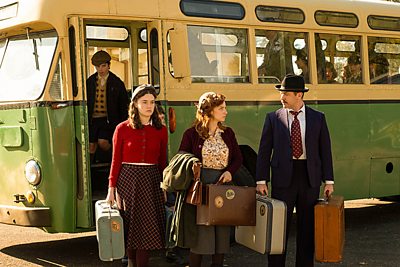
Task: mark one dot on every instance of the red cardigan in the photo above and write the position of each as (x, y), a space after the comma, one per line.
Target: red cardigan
(193, 143)
(147, 145)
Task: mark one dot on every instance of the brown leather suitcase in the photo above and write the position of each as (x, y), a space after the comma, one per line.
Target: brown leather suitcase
(329, 229)
(227, 205)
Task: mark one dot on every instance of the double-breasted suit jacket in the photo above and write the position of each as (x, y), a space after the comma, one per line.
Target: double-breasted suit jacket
(274, 160)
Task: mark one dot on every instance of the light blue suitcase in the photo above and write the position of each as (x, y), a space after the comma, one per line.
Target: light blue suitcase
(269, 234)
(109, 232)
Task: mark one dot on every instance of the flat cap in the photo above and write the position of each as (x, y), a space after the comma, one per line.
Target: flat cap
(100, 57)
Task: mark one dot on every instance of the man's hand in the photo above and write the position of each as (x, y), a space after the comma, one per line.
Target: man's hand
(262, 189)
(328, 190)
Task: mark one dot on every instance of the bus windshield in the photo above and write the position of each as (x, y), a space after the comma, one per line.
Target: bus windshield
(24, 65)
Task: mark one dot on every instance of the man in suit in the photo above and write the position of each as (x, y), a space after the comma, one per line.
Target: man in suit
(295, 155)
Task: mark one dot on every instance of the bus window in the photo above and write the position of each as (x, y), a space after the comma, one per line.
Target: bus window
(25, 65)
(276, 55)
(154, 56)
(95, 32)
(143, 69)
(336, 19)
(338, 58)
(384, 23)
(56, 86)
(384, 60)
(218, 54)
(280, 14)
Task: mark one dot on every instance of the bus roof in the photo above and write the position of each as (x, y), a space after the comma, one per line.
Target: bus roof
(21, 13)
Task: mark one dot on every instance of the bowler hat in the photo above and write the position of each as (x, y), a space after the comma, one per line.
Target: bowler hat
(292, 83)
(100, 57)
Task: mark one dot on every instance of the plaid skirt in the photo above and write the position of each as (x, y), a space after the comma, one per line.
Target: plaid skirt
(141, 201)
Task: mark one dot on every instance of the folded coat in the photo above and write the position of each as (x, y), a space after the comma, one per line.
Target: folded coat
(178, 175)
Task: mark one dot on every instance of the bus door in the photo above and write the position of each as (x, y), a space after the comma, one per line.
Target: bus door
(78, 78)
(125, 42)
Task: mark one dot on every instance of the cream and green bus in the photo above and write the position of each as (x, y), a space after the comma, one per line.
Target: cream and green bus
(347, 51)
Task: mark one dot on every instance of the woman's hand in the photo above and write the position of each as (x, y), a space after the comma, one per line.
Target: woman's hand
(226, 177)
(111, 196)
(196, 168)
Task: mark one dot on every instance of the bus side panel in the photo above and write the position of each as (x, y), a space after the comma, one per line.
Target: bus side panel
(349, 127)
(14, 155)
(385, 159)
(250, 120)
(54, 146)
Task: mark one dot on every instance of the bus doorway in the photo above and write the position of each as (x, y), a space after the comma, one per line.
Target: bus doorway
(126, 44)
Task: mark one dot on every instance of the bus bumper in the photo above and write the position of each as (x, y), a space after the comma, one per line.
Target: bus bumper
(25, 216)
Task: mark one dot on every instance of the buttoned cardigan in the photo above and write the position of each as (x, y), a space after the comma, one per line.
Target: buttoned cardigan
(193, 143)
(147, 145)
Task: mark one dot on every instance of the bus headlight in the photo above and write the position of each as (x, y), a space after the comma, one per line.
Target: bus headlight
(32, 172)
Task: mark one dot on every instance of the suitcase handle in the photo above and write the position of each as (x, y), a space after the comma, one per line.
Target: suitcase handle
(324, 199)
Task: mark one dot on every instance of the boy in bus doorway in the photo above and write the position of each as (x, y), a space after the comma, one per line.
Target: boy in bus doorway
(107, 102)
(299, 161)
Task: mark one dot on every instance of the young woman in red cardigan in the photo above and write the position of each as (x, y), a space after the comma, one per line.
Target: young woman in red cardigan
(139, 157)
(216, 146)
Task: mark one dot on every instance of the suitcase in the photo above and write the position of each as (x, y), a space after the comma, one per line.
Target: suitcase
(227, 205)
(269, 234)
(109, 232)
(329, 229)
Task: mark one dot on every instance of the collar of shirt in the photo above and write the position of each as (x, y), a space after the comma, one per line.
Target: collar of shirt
(103, 80)
(218, 131)
(150, 123)
(303, 111)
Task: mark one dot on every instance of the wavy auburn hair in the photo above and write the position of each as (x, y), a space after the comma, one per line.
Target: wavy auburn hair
(134, 119)
(203, 113)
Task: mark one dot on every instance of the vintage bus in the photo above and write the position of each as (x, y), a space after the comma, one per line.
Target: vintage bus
(347, 51)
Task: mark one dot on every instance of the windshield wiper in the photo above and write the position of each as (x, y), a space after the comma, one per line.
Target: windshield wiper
(35, 53)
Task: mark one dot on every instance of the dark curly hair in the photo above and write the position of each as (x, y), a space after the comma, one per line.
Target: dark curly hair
(134, 119)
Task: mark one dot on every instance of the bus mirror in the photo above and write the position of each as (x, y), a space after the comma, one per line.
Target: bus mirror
(179, 51)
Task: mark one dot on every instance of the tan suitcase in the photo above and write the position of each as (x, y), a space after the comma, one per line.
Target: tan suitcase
(329, 229)
(227, 205)
(269, 234)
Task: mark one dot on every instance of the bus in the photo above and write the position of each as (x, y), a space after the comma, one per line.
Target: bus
(347, 51)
